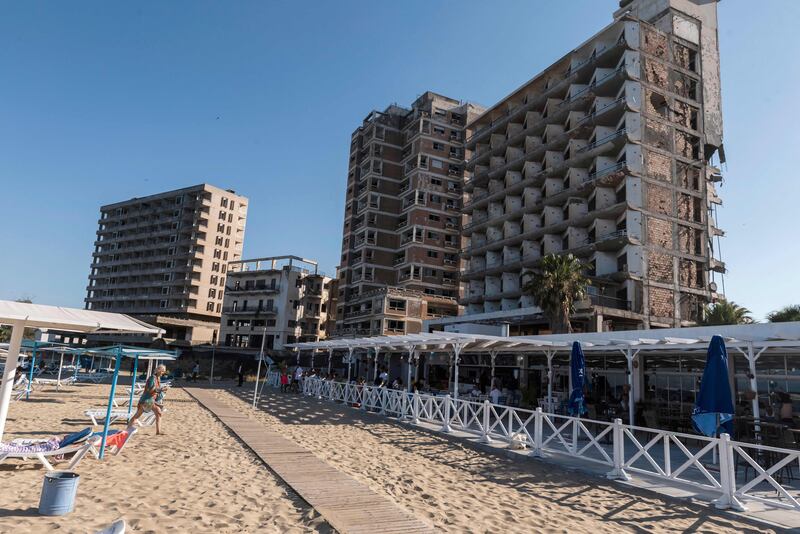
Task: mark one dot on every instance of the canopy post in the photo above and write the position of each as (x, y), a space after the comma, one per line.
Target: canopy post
(752, 357)
(17, 329)
(133, 383)
(375, 366)
(330, 359)
(492, 357)
(29, 387)
(111, 394)
(549, 354)
(313, 351)
(411, 355)
(258, 368)
(349, 361)
(629, 356)
(456, 357)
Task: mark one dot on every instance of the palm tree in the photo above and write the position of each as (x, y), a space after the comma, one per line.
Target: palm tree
(725, 312)
(785, 314)
(556, 287)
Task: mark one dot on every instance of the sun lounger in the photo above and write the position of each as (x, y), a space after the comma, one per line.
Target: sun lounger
(48, 457)
(54, 382)
(98, 416)
(94, 378)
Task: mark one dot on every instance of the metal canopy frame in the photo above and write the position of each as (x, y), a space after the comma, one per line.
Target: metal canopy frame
(750, 340)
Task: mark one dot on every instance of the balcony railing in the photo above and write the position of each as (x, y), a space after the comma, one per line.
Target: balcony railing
(607, 237)
(610, 302)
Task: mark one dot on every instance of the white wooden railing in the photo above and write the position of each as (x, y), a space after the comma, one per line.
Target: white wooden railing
(719, 466)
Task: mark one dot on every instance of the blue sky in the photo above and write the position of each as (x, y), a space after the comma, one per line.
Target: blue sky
(103, 101)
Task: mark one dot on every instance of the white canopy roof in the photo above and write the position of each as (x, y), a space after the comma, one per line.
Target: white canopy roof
(432, 341)
(784, 336)
(71, 319)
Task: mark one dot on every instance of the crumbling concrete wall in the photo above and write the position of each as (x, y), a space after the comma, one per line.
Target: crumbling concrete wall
(654, 42)
(655, 72)
(659, 266)
(659, 232)
(659, 200)
(658, 135)
(662, 302)
(658, 166)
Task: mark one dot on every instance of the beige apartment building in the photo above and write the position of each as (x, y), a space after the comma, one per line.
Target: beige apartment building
(163, 258)
(607, 154)
(402, 219)
(284, 298)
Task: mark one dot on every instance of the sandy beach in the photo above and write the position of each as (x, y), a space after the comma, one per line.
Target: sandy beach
(196, 478)
(459, 489)
(199, 478)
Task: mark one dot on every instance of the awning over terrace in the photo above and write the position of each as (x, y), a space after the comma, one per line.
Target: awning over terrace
(749, 340)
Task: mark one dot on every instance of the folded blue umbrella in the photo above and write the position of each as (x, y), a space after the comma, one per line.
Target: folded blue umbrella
(75, 437)
(577, 364)
(713, 410)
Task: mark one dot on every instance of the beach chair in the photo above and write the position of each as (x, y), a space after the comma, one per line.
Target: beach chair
(48, 458)
(98, 416)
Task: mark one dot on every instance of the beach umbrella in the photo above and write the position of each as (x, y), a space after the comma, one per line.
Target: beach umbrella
(713, 409)
(577, 364)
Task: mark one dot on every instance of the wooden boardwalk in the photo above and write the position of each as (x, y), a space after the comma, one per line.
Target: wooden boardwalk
(347, 505)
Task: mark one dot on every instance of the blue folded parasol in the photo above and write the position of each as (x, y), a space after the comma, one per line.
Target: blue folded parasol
(577, 364)
(713, 409)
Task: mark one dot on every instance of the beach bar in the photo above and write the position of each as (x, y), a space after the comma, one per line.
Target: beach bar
(646, 376)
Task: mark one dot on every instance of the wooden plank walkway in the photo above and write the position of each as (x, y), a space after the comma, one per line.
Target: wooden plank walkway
(347, 505)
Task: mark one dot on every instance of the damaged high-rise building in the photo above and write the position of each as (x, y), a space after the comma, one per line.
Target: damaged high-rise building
(607, 154)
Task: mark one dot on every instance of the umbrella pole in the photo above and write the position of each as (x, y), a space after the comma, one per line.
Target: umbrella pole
(110, 402)
(133, 383)
(29, 387)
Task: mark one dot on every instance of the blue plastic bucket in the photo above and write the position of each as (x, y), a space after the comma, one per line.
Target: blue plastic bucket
(58, 493)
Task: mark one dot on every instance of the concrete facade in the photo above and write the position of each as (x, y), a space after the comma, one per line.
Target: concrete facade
(284, 298)
(606, 155)
(163, 258)
(402, 215)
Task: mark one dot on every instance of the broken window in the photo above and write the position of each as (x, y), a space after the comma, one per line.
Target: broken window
(684, 85)
(685, 57)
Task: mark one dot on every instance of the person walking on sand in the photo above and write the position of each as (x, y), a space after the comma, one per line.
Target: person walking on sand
(147, 402)
(240, 372)
(196, 370)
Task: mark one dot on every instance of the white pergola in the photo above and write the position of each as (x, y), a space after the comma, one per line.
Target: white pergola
(20, 315)
(751, 341)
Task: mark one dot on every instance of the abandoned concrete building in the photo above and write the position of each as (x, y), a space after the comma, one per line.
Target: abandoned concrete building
(607, 154)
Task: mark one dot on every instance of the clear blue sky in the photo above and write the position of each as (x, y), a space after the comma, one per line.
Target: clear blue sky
(104, 101)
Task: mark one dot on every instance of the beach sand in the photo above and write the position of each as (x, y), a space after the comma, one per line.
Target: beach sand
(196, 478)
(459, 489)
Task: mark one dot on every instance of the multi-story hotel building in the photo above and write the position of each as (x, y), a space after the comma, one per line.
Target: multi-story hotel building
(163, 258)
(606, 155)
(402, 215)
(284, 298)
